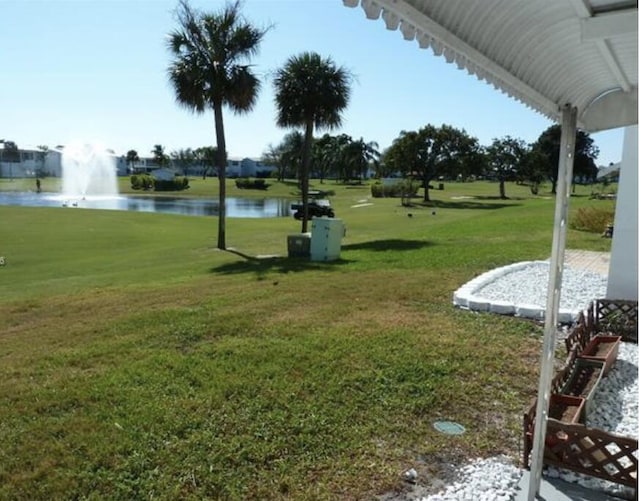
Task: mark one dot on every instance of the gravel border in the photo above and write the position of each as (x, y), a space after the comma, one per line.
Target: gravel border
(520, 289)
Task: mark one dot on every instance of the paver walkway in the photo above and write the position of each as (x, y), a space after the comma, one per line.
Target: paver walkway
(598, 262)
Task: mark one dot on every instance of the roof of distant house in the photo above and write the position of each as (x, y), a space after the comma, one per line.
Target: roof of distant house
(609, 169)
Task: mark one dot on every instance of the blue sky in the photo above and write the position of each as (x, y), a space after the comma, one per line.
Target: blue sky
(95, 71)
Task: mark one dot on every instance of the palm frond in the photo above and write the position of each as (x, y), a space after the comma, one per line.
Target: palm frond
(209, 50)
(245, 86)
(310, 88)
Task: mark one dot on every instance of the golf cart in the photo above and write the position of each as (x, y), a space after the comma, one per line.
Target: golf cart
(318, 206)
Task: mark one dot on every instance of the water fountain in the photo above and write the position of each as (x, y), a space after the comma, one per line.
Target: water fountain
(88, 170)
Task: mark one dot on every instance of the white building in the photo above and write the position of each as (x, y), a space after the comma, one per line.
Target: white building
(34, 161)
(30, 162)
(39, 162)
(236, 167)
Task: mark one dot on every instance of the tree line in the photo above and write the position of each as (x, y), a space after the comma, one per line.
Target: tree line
(432, 153)
(204, 158)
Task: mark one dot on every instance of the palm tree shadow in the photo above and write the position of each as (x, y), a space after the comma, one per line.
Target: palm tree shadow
(260, 266)
(394, 244)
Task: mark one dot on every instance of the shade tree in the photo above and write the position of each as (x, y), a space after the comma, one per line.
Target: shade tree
(207, 157)
(586, 152)
(430, 152)
(504, 156)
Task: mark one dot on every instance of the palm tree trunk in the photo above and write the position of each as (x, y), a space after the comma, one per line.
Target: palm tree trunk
(306, 160)
(222, 175)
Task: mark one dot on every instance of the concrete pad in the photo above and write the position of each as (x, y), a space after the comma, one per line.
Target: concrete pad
(552, 489)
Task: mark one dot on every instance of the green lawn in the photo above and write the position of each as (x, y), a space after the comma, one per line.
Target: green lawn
(138, 361)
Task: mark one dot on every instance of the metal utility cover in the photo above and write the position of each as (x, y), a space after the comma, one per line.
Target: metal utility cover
(449, 427)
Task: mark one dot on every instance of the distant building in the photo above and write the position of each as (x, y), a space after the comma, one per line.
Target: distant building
(30, 162)
(164, 174)
(248, 167)
(36, 162)
(236, 167)
(611, 172)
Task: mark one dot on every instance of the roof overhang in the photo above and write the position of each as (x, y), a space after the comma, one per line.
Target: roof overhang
(546, 54)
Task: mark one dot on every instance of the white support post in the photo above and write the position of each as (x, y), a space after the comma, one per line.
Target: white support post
(556, 266)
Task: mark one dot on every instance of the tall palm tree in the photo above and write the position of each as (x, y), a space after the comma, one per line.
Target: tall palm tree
(207, 72)
(310, 91)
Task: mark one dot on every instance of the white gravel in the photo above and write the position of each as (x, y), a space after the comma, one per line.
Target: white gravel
(615, 406)
(521, 289)
(492, 479)
(529, 285)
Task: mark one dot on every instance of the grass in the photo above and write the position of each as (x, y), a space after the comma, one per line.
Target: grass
(137, 361)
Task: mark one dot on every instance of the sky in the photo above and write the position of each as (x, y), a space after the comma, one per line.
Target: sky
(96, 71)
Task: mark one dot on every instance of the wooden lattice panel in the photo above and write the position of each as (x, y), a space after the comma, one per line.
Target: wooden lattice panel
(575, 447)
(592, 452)
(579, 336)
(607, 309)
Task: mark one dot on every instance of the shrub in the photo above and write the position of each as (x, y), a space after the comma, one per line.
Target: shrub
(593, 219)
(251, 184)
(605, 190)
(400, 189)
(176, 184)
(142, 182)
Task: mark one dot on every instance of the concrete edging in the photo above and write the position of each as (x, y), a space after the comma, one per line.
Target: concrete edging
(466, 297)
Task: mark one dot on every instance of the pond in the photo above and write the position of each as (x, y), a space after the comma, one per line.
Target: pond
(236, 207)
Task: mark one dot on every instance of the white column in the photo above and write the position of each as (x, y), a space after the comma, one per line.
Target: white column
(623, 269)
(556, 267)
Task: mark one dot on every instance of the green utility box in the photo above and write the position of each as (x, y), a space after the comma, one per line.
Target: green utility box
(299, 245)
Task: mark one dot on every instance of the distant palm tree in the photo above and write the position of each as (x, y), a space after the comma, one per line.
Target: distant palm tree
(310, 92)
(206, 73)
(358, 157)
(291, 149)
(132, 158)
(159, 156)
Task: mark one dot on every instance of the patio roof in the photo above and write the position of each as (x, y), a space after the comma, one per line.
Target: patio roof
(545, 53)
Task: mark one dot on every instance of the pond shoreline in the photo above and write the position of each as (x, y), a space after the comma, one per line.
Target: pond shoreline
(237, 207)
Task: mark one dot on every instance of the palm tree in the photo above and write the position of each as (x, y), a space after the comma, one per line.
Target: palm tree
(159, 156)
(207, 72)
(132, 158)
(359, 155)
(324, 155)
(310, 91)
(291, 149)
